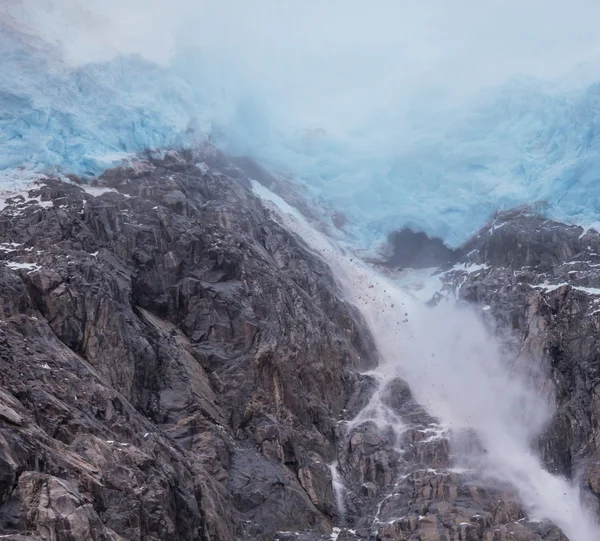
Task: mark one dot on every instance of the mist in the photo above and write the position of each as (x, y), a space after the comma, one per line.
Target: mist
(456, 369)
(329, 64)
(430, 115)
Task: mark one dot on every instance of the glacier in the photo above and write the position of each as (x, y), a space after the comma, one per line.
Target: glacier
(440, 169)
(447, 173)
(59, 118)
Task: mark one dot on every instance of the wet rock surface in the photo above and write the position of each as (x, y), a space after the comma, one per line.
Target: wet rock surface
(174, 365)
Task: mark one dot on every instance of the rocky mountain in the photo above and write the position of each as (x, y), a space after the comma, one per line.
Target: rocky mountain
(176, 365)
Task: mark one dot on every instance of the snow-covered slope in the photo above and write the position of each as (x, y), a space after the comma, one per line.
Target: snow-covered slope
(443, 171)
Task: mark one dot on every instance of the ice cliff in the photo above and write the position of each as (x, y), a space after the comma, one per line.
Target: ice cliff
(440, 170)
(81, 119)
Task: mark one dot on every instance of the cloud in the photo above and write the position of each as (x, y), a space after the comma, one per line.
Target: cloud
(331, 62)
(98, 30)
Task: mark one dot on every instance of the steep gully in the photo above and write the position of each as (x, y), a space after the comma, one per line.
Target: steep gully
(178, 365)
(455, 368)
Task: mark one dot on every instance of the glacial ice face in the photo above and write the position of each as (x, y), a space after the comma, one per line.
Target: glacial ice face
(83, 119)
(437, 169)
(447, 172)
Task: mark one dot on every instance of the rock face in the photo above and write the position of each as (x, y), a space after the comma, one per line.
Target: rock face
(415, 249)
(174, 365)
(540, 280)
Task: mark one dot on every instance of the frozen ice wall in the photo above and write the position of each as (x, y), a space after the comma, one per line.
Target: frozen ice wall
(393, 113)
(80, 119)
(447, 171)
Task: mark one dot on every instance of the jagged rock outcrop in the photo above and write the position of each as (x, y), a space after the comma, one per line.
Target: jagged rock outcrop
(415, 249)
(176, 365)
(173, 363)
(539, 281)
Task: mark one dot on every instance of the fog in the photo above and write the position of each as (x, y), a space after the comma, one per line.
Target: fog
(334, 63)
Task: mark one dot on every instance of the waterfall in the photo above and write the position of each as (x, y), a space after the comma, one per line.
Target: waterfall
(338, 490)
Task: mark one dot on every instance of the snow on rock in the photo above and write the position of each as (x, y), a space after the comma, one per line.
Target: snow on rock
(9, 247)
(15, 265)
(552, 287)
(97, 190)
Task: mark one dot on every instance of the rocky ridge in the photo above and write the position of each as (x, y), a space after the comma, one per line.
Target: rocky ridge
(173, 362)
(176, 365)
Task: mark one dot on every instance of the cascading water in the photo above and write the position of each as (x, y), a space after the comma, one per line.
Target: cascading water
(456, 371)
(338, 490)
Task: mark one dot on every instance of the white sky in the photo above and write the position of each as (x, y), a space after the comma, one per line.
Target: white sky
(331, 60)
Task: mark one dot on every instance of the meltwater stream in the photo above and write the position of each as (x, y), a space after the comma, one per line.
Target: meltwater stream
(456, 371)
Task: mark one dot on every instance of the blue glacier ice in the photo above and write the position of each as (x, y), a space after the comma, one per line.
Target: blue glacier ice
(447, 172)
(441, 170)
(82, 119)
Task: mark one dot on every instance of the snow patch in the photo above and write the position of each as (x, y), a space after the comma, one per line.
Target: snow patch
(14, 265)
(9, 247)
(96, 190)
(553, 287)
(468, 267)
(38, 200)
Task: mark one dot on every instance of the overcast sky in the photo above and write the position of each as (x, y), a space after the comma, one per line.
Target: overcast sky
(331, 60)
